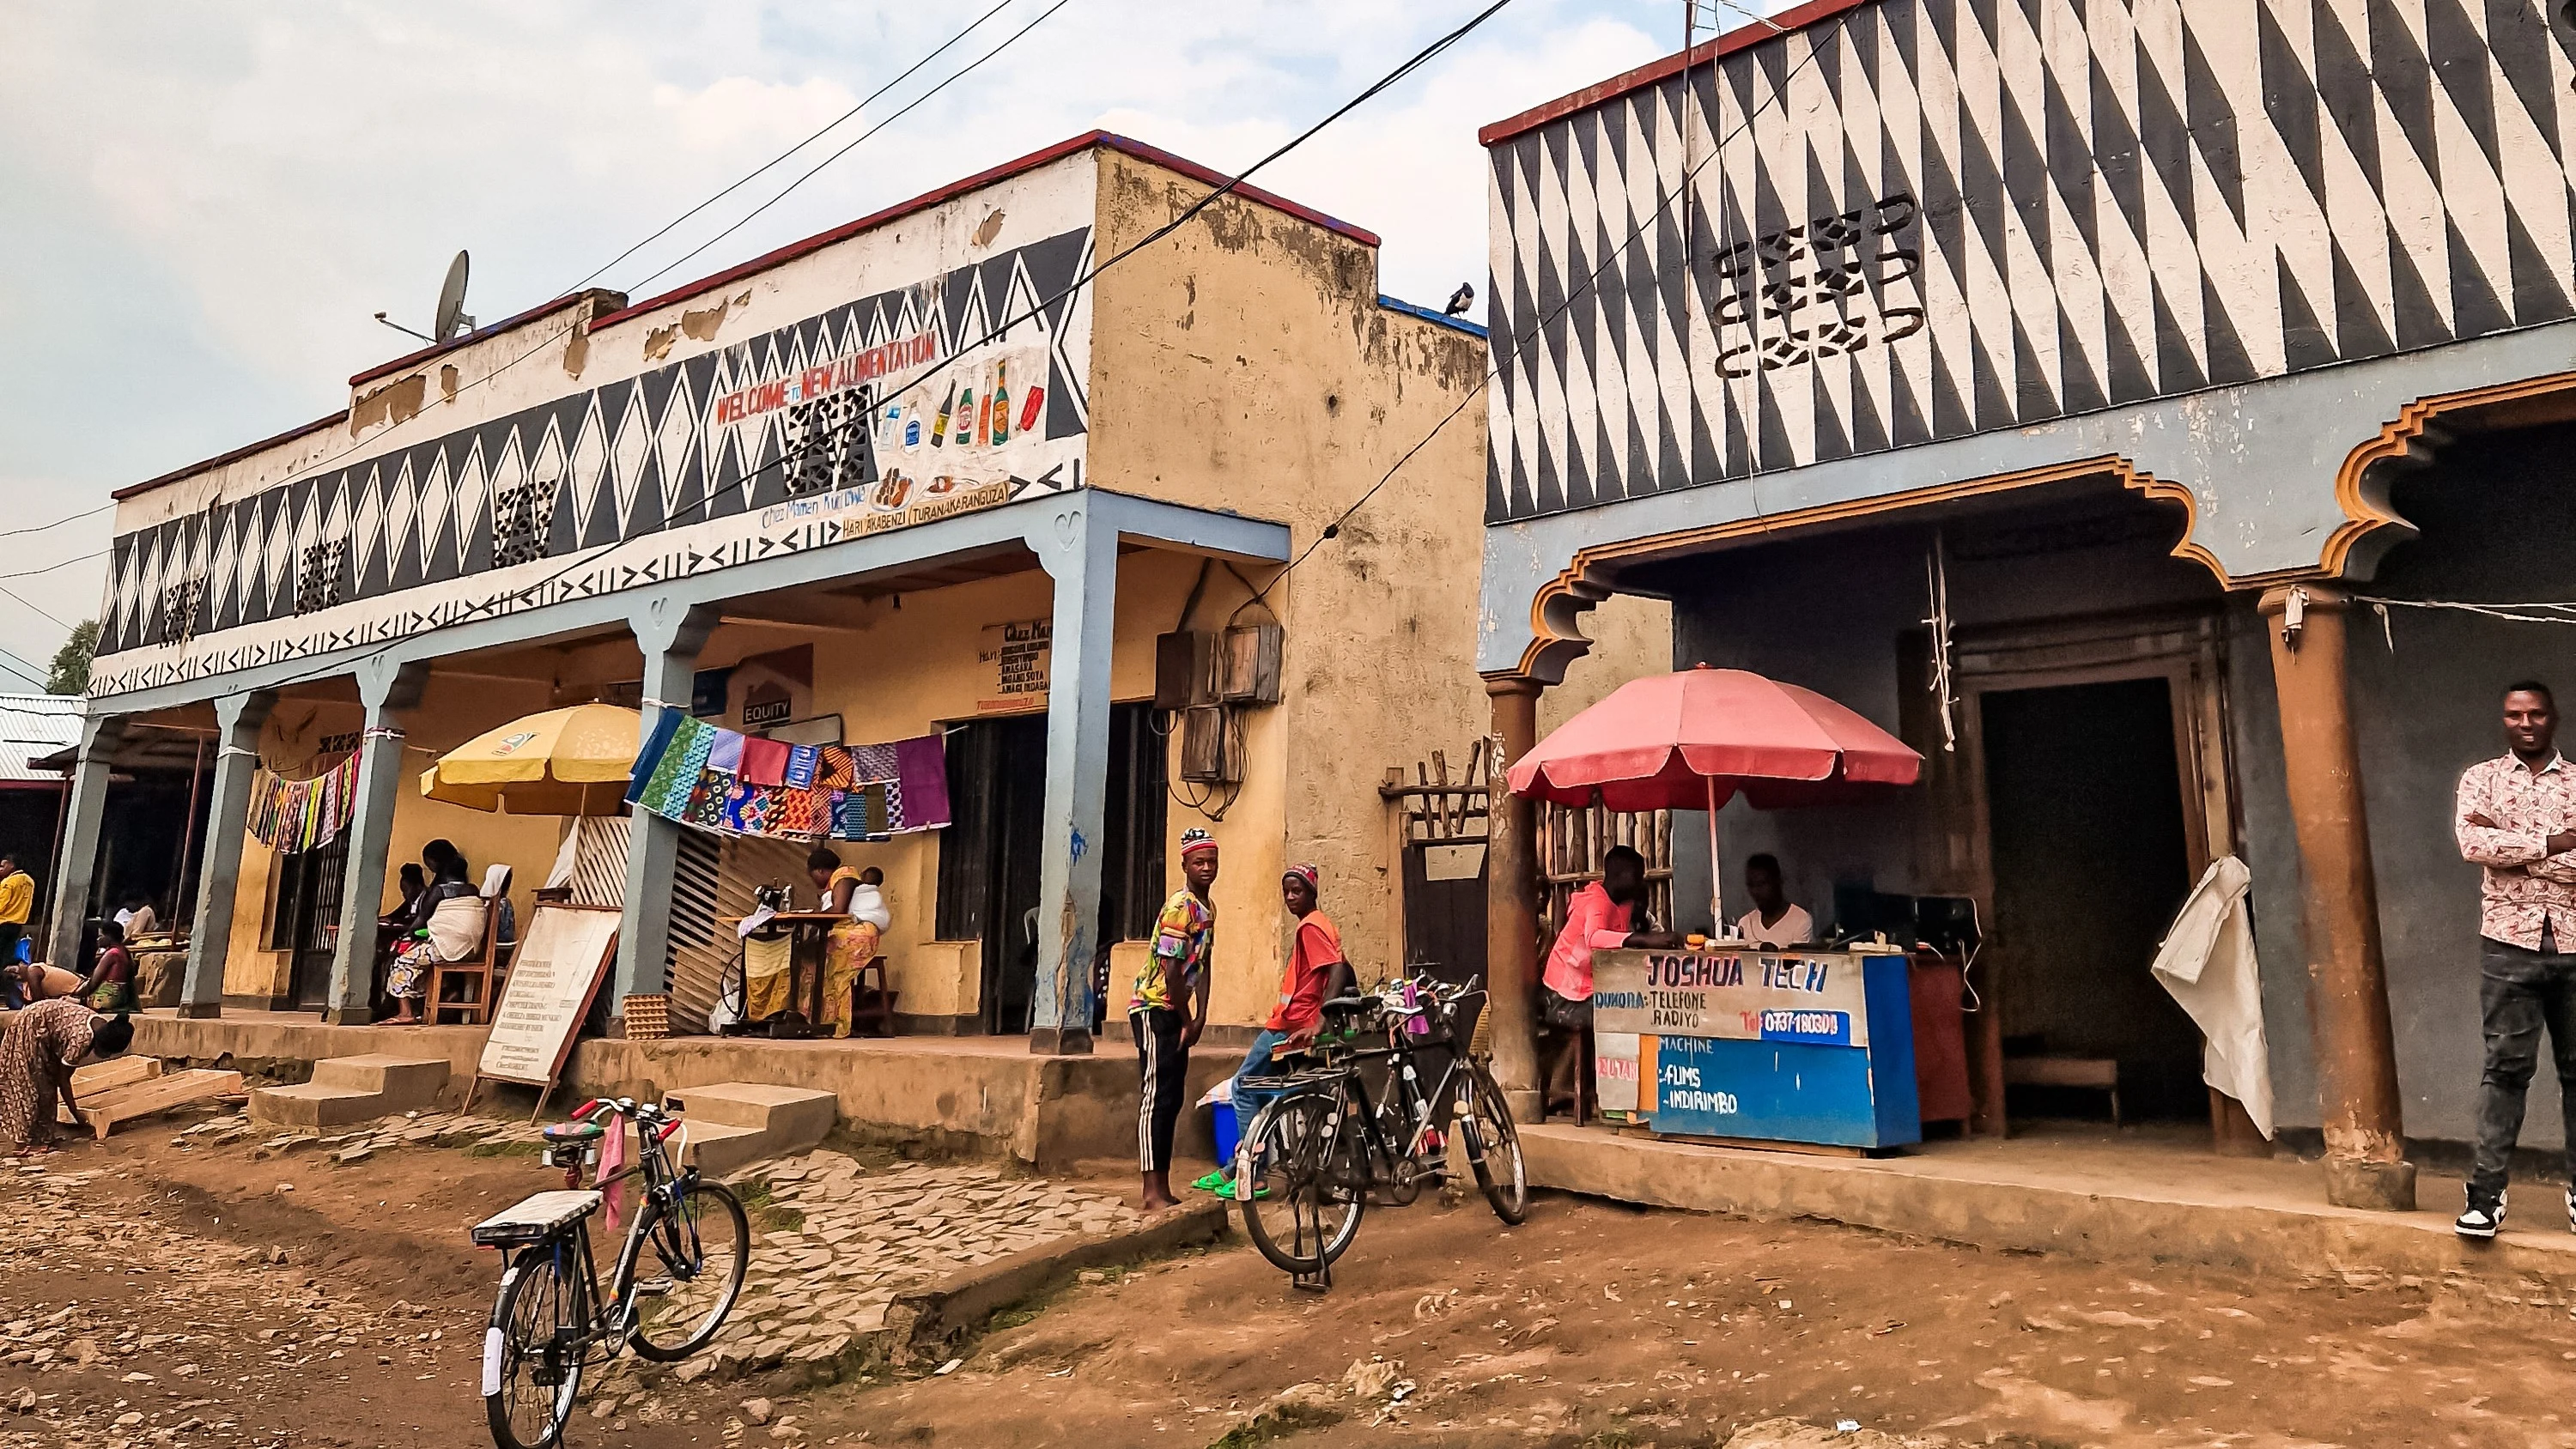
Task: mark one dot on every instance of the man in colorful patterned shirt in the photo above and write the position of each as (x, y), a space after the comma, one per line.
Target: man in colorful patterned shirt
(1168, 1010)
(2517, 820)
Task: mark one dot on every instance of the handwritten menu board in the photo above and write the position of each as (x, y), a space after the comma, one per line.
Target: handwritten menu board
(562, 959)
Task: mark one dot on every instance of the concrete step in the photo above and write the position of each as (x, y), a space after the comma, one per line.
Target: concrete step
(348, 1090)
(734, 1124)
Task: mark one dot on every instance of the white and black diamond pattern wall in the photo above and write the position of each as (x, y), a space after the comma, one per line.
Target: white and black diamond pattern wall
(613, 463)
(1931, 218)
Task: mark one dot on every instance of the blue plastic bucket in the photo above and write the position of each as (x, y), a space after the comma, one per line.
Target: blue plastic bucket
(1228, 1133)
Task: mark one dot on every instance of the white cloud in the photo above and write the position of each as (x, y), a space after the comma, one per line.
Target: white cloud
(209, 202)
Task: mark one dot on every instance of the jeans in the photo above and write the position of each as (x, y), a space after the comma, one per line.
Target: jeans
(2520, 991)
(1250, 1099)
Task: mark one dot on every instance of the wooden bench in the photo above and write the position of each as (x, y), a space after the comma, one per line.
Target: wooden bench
(2098, 1074)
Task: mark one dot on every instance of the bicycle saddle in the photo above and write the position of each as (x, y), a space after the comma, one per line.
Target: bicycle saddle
(574, 1132)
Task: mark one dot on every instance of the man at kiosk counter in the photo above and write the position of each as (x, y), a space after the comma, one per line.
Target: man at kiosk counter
(1773, 921)
(1597, 918)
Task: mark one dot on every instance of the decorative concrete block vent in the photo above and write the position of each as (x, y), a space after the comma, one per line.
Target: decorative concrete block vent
(349, 1090)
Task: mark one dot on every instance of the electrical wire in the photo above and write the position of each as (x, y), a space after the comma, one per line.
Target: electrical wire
(31, 608)
(59, 564)
(37, 680)
(791, 186)
(1333, 529)
(59, 522)
(1419, 59)
(748, 177)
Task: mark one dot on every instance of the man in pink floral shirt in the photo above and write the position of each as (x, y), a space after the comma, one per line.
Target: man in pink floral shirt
(2517, 820)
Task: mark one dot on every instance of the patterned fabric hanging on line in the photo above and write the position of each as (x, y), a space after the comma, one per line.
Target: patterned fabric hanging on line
(299, 815)
(713, 778)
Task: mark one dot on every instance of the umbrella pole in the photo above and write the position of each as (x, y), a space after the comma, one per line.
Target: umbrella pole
(1716, 892)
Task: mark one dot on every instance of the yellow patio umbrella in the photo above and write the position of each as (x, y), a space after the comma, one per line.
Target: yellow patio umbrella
(562, 762)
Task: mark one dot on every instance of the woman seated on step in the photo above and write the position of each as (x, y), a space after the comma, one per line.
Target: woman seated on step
(447, 925)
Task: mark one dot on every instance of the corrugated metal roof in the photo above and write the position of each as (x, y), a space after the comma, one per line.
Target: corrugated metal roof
(33, 726)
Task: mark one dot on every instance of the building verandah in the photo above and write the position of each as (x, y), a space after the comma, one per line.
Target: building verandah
(907, 642)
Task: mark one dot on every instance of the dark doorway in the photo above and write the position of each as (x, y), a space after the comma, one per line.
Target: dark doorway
(310, 886)
(990, 858)
(2091, 860)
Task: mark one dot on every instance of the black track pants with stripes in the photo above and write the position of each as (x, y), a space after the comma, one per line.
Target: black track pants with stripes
(1163, 1068)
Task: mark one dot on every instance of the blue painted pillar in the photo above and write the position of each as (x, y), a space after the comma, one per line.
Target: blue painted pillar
(1080, 550)
(389, 692)
(670, 634)
(77, 863)
(238, 718)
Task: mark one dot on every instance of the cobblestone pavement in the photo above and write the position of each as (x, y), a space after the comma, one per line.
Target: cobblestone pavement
(838, 1241)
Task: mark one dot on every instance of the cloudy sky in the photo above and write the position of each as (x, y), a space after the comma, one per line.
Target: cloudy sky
(207, 204)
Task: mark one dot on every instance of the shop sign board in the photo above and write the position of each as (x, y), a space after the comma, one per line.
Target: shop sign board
(1749, 996)
(1018, 653)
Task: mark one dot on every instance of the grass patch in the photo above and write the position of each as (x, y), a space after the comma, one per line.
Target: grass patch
(506, 1149)
(764, 1209)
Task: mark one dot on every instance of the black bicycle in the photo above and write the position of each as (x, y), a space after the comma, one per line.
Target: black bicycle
(551, 1321)
(1305, 1168)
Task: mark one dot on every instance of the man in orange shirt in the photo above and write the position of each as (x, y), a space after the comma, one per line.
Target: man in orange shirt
(1596, 919)
(1316, 973)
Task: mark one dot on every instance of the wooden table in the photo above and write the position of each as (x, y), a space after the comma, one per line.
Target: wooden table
(810, 935)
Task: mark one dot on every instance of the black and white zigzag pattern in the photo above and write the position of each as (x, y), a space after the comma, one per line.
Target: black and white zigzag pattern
(614, 463)
(1953, 216)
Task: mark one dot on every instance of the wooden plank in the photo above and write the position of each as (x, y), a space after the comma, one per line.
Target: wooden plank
(113, 1073)
(156, 1095)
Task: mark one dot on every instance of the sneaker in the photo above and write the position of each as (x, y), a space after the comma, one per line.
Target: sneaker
(2484, 1220)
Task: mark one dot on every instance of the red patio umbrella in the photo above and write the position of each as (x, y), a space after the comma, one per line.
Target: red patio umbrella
(1694, 740)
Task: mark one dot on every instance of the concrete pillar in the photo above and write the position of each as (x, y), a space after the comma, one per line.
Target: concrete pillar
(238, 718)
(2347, 983)
(77, 862)
(389, 691)
(1081, 554)
(1512, 902)
(670, 633)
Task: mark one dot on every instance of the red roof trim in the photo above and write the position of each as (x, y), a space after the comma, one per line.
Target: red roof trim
(478, 334)
(955, 189)
(1741, 38)
(235, 456)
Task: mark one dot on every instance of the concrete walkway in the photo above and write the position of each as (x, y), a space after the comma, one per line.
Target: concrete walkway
(2109, 1196)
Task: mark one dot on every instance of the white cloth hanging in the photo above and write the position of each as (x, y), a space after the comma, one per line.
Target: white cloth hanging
(2207, 964)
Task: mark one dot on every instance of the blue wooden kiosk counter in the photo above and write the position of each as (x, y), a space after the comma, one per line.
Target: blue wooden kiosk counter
(1778, 1045)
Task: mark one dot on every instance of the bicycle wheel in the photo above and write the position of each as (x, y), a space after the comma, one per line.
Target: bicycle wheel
(531, 1369)
(1494, 1150)
(689, 1271)
(1305, 1204)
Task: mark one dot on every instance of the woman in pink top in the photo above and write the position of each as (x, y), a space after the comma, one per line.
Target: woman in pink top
(1596, 919)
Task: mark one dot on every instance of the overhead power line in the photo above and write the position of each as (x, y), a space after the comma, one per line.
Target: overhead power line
(1415, 62)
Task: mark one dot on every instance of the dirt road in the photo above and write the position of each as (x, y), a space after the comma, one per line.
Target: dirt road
(145, 1302)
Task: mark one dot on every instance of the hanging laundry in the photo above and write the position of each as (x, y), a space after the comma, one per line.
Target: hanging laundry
(803, 763)
(727, 754)
(764, 761)
(299, 815)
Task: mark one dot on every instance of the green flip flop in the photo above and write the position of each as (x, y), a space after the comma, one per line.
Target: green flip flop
(1213, 1182)
(1226, 1191)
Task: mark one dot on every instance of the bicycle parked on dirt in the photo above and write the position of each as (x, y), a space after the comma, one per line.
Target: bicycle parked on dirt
(1306, 1166)
(551, 1321)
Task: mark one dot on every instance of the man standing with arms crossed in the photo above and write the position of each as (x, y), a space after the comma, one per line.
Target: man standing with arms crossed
(2517, 820)
(1168, 1010)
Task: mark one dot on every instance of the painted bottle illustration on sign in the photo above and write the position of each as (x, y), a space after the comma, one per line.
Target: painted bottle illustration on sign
(1001, 432)
(939, 427)
(911, 427)
(966, 415)
(1029, 406)
(984, 417)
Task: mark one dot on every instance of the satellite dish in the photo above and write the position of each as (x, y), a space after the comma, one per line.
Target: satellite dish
(451, 319)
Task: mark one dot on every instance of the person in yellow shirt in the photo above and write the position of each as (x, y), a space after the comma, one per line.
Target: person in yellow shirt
(17, 905)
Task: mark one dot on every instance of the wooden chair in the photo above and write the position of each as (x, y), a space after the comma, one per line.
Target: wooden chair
(480, 972)
(871, 1004)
